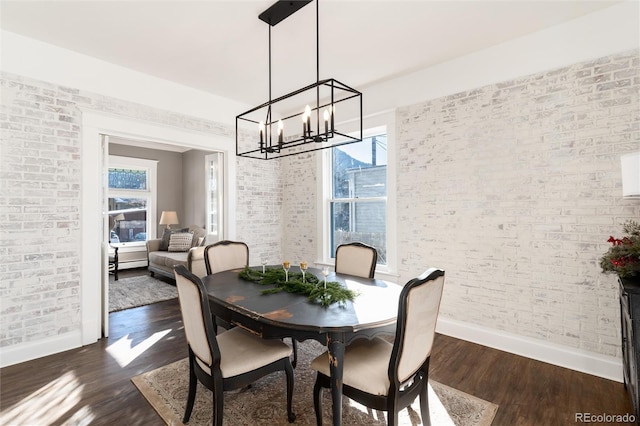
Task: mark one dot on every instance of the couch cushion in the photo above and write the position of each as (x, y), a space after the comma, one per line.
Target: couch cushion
(197, 234)
(164, 244)
(180, 241)
(168, 259)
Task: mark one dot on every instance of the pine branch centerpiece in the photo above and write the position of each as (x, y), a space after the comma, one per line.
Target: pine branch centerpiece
(309, 286)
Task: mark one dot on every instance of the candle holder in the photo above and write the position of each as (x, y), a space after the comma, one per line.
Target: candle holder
(325, 274)
(303, 269)
(286, 265)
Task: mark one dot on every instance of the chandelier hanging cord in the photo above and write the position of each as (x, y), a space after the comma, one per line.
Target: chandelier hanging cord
(311, 138)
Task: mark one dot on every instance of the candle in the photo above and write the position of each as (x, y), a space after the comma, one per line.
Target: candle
(326, 121)
(261, 130)
(280, 130)
(304, 125)
(333, 113)
(286, 264)
(307, 113)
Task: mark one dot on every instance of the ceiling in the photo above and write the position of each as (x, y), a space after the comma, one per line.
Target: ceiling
(221, 47)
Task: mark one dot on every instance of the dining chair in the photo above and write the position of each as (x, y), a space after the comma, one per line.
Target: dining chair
(356, 259)
(230, 360)
(224, 255)
(389, 376)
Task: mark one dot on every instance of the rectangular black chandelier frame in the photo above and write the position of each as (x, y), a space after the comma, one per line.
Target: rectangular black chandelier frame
(273, 144)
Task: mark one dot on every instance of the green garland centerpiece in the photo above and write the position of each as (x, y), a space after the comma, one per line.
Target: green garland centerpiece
(310, 286)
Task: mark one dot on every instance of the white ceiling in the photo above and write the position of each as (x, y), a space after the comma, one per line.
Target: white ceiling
(221, 46)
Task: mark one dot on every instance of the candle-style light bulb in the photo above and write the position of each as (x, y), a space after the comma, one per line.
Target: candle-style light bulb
(280, 130)
(261, 130)
(333, 113)
(304, 125)
(307, 113)
(326, 121)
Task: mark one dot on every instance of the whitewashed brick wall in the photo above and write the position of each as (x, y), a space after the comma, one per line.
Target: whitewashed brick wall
(40, 201)
(513, 189)
(259, 203)
(299, 208)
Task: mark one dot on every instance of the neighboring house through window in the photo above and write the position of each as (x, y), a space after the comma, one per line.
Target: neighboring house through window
(356, 197)
(132, 200)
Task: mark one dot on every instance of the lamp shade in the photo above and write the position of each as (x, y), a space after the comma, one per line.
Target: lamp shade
(169, 218)
(630, 164)
(118, 217)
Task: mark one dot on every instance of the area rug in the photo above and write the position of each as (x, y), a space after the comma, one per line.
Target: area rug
(264, 403)
(143, 290)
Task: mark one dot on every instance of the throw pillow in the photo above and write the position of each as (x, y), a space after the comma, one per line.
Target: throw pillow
(197, 233)
(164, 244)
(180, 241)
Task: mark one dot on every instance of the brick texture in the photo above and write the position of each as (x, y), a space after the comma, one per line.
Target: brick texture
(40, 187)
(513, 189)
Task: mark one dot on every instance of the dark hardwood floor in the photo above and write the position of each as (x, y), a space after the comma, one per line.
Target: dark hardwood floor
(89, 386)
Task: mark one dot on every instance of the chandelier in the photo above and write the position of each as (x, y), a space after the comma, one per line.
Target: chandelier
(305, 120)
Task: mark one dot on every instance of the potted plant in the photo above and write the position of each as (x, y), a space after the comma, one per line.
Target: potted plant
(623, 256)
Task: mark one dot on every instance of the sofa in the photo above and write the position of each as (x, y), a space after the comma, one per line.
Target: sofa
(183, 246)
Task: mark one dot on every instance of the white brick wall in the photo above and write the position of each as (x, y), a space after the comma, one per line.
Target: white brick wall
(40, 201)
(299, 208)
(514, 189)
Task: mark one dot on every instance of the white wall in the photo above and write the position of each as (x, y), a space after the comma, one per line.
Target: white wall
(41, 61)
(65, 80)
(611, 30)
(509, 179)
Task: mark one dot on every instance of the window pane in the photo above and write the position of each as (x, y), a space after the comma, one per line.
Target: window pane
(363, 221)
(360, 169)
(127, 179)
(127, 219)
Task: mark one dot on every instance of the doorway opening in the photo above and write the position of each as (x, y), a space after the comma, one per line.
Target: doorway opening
(94, 263)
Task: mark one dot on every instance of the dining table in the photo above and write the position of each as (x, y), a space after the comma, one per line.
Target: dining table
(372, 312)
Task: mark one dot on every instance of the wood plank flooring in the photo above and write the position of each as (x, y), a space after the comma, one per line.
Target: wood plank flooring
(88, 386)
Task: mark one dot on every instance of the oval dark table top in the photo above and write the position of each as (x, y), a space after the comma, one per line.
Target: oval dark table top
(285, 314)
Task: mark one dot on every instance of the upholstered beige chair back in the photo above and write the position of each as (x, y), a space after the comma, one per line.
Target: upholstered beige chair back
(417, 324)
(225, 255)
(356, 259)
(194, 314)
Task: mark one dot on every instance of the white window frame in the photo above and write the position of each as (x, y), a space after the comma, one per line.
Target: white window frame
(150, 193)
(218, 193)
(374, 125)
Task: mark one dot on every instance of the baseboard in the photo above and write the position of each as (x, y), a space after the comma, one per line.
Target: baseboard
(27, 351)
(562, 356)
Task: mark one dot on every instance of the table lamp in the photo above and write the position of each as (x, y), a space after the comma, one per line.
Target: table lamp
(169, 218)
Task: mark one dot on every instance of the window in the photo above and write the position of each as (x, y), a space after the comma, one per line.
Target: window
(214, 176)
(358, 195)
(132, 199)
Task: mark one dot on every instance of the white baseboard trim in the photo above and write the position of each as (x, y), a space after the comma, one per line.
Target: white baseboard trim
(563, 356)
(27, 351)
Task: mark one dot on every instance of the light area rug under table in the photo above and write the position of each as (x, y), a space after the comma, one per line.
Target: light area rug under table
(264, 403)
(137, 291)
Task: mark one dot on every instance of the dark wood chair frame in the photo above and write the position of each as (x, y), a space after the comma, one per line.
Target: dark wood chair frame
(221, 243)
(396, 399)
(214, 381)
(223, 323)
(374, 261)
